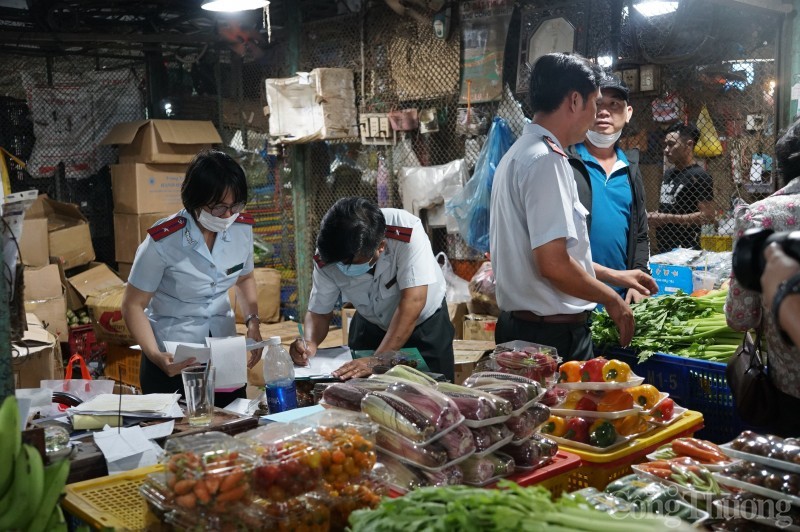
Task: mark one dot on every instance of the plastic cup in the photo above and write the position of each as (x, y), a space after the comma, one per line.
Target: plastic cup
(703, 280)
(198, 387)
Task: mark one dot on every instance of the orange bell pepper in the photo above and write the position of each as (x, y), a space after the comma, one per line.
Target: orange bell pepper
(570, 371)
(629, 425)
(616, 371)
(614, 401)
(645, 395)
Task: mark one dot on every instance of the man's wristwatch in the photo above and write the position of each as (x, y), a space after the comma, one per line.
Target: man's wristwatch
(251, 317)
(788, 287)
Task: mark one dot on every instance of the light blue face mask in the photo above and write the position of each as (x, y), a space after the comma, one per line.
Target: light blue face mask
(354, 270)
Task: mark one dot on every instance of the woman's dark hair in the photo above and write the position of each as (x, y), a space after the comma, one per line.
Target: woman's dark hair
(209, 176)
(787, 153)
(554, 76)
(352, 228)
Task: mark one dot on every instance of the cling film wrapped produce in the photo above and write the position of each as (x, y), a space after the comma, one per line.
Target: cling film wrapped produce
(420, 418)
(476, 405)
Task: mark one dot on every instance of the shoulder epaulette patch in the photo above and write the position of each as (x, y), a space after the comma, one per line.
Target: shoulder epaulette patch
(173, 225)
(319, 261)
(245, 218)
(403, 234)
(554, 146)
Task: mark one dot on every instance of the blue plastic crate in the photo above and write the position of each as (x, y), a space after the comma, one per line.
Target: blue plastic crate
(695, 384)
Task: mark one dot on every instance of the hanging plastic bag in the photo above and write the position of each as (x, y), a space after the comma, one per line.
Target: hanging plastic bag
(457, 288)
(84, 388)
(470, 208)
(483, 292)
(708, 145)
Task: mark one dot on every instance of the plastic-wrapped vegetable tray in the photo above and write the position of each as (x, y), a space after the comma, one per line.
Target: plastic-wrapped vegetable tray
(771, 462)
(568, 412)
(634, 380)
(754, 488)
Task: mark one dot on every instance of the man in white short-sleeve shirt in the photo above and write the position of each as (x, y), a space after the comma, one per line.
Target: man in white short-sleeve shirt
(547, 284)
(381, 261)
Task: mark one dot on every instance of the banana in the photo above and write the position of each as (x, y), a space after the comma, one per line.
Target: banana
(10, 441)
(27, 489)
(55, 476)
(56, 521)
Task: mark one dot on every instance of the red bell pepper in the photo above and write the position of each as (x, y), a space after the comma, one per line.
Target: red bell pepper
(577, 430)
(664, 410)
(587, 404)
(592, 370)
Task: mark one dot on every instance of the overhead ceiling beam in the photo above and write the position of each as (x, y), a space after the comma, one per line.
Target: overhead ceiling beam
(89, 38)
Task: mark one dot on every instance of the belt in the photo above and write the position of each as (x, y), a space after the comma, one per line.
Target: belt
(526, 315)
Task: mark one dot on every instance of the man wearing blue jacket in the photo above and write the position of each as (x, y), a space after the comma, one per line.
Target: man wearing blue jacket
(610, 187)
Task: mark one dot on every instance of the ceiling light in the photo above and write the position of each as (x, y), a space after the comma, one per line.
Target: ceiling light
(605, 61)
(654, 8)
(231, 6)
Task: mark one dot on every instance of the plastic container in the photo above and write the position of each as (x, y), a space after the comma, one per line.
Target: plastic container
(490, 437)
(534, 361)
(598, 469)
(478, 407)
(532, 453)
(413, 416)
(485, 470)
(698, 385)
(365, 494)
(292, 461)
(432, 457)
(524, 425)
(208, 472)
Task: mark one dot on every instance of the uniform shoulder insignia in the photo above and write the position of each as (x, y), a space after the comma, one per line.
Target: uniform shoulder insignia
(173, 225)
(319, 261)
(245, 218)
(396, 232)
(554, 146)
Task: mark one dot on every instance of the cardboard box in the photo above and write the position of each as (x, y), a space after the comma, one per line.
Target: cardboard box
(147, 188)
(124, 270)
(96, 279)
(670, 278)
(105, 309)
(457, 311)
(44, 297)
(479, 327)
(39, 356)
(162, 141)
(467, 355)
(34, 244)
(268, 294)
(130, 230)
(347, 316)
(67, 235)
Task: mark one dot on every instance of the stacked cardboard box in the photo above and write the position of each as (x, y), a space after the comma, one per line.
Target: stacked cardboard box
(146, 185)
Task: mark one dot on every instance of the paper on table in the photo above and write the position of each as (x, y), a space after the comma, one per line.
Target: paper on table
(183, 351)
(107, 402)
(324, 362)
(126, 449)
(229, 356)
(159, 430)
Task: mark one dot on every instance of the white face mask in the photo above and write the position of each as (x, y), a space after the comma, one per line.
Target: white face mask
(601, 140)
(213, 223)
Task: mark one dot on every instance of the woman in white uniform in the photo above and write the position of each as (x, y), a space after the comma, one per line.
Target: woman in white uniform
(178, 286)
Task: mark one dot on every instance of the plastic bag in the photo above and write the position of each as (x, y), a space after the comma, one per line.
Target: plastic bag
(421, 187)
(84, 388)
(708, 145)
(482, 291)
(471, 207)
(457, 288)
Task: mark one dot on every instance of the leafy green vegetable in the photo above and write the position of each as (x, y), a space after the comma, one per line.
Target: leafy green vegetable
(693, 327)
(511, 507)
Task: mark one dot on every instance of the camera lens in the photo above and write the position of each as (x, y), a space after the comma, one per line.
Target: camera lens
(748, 258)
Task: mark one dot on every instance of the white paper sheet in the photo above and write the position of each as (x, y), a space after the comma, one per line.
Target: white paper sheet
(184, 351)
(127, 448)
(110, 403)
(324, 362)
(229, 356)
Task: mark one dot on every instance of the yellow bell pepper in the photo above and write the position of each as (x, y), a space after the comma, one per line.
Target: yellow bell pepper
(645, 395)
(555, 426)
(616, 371)
(572, 399)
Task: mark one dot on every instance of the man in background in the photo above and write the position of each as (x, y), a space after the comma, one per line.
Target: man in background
(546, 282)
(610, 187)
(687, 193)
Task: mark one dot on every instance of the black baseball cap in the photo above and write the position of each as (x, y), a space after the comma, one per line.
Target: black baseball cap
(614, 82)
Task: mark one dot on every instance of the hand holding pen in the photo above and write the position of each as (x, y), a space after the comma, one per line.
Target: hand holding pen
(302, 350)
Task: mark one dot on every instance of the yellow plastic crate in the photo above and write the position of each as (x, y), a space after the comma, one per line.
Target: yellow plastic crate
(112, 502)
(598, 470)
(716, 243)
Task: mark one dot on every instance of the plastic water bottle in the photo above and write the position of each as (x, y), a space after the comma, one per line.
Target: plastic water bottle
(279, 377)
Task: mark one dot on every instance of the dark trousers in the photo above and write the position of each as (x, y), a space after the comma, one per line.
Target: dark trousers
(433, 338)
(573, 341)
(153, 380)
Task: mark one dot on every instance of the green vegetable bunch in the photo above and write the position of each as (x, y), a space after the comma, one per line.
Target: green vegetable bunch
(680, 324)
(457, 508)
